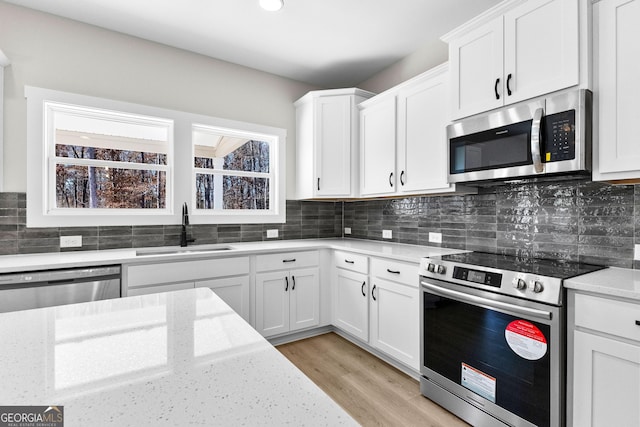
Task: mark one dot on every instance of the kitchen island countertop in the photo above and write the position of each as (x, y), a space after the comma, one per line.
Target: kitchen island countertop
(176, 358)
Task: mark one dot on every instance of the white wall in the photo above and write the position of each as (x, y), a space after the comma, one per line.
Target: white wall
(56, 53)
(428, 56)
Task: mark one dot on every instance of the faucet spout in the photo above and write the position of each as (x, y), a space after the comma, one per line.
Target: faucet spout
(185, 221)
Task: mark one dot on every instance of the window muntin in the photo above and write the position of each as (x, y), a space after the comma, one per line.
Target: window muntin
(232, 170)
(107, 160)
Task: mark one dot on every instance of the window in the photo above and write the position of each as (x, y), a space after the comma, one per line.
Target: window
(232, 170)
(95, 161)
(101, 159)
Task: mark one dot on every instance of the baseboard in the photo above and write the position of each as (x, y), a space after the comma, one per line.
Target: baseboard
(297, 336)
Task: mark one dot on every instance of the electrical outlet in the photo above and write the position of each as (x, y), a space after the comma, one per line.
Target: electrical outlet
(70, 241)
(272, 234)
(386, 234)
(347, 230)
(435, 237)
(636, 253)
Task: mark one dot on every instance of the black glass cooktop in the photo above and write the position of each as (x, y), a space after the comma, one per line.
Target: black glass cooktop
(560, 269)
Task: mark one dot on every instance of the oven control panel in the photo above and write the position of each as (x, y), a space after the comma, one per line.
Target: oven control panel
(523, 285)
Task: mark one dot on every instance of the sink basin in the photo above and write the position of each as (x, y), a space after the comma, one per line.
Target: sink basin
(173, 251)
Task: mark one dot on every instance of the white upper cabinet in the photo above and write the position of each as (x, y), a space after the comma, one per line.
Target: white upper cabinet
(327, 143)
(529, 50)
(422, 137)
(378, 147)
(616, 155)
(4, 62)
(403, 139)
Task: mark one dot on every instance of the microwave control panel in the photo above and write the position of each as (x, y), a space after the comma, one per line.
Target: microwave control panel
(559, 132)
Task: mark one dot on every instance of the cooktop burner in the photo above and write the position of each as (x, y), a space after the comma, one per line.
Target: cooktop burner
(560, 269)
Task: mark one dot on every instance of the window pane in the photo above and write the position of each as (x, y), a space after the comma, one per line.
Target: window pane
(104, 188)
(231, 192)
(217, 151)
(80, 152)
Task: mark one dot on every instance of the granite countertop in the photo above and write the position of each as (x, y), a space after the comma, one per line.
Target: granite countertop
(397, 251)
(612, 281)
(176, 358)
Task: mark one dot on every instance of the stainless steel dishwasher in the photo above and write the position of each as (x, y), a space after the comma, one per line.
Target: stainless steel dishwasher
(35, 289)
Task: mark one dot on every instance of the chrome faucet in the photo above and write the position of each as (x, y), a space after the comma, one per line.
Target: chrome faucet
(185, 221)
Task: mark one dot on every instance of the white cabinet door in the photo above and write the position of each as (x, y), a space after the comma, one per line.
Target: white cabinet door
(378, 147)
(132, 292)
(351, 303)
(304, 298)
(422, 138)
(333, 145)
(606, 385)
(232, 290)
(617, 155)
(272, 303)
(476, 61)
(541, 45)
(395, 319)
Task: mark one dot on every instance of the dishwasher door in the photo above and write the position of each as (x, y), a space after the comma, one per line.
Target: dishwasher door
(38, 289)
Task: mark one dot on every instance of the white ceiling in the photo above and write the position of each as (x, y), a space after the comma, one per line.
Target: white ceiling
(327, 43)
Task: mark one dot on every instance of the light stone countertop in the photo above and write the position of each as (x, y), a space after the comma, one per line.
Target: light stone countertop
(612, 281)
(397, 251)
(171, 359)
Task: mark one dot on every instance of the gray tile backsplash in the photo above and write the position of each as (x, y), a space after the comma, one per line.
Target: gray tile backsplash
(573, 220)
(304, 220)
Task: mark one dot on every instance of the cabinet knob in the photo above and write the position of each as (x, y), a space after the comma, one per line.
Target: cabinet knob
(286, 281)
(495, 88)
(373, 295)
(508, 88)
(390, 182)
(402, 178)
(362, 289)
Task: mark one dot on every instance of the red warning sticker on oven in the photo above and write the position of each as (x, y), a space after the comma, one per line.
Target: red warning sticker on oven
(526, 340)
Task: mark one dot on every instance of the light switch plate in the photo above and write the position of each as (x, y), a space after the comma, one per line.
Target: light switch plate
(386, 234)
(70, 241)
(347, 230)
(435, 237)
(636, 253)
(272, 234)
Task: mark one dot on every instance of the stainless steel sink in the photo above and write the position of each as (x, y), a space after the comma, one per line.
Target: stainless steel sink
(178, 251)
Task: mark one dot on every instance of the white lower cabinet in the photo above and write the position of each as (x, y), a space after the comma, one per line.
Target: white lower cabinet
(287, 301)
(232, 290)
(395, 310)
(395, 320)
(351, 303)
(382, 311)
(604, 378)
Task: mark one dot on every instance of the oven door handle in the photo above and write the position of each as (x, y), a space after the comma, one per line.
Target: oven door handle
(485, 302)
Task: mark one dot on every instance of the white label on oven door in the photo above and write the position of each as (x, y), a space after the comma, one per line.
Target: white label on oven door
(479, 382)
(526, 340)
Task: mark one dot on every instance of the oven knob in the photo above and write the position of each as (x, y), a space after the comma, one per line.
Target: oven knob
(442, 269)
(431, 268)
(537, 287)
(519, 284)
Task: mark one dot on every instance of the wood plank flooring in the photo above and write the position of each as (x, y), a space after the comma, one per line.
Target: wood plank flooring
(373, 392)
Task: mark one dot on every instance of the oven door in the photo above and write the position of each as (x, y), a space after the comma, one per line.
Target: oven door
(501, 355)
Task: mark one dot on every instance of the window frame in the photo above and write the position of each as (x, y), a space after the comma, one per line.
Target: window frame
(180, 173)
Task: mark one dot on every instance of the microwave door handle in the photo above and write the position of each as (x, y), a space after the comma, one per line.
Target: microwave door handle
(535, 140)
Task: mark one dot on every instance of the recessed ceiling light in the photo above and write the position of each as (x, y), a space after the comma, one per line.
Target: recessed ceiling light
(271, 5)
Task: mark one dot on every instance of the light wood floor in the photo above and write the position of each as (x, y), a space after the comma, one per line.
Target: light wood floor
(373, 392)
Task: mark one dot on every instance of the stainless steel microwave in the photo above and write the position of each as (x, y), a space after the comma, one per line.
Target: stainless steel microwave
(535, 138)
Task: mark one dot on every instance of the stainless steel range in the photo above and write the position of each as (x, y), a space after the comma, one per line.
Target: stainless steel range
(493, 337)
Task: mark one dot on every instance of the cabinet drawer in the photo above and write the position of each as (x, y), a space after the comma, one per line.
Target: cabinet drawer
(606, 315)
(285, 261)
(396, 271)
(182, 271)
(353, 262)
